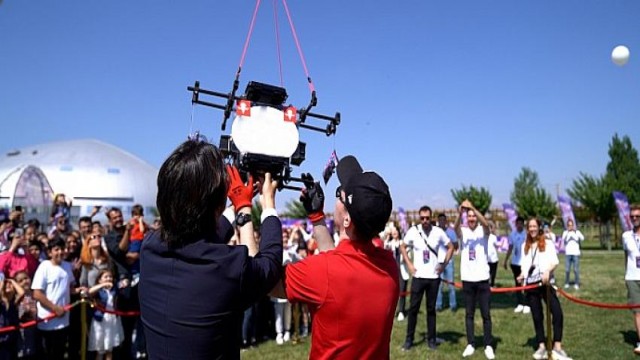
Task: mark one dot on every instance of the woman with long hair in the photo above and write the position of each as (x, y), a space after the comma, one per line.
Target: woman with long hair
(392, 243)
(93, 258)
(539, 259)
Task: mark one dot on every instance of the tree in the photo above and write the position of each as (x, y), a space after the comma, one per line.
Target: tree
(294, 210)
(530, 198)
(594, 194)
(623, 169)
(256, 213)
(479, 197)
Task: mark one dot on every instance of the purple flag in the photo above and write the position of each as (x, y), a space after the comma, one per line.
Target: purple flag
(503, 243)
(622, 203)
(566, 210)
(511, 213)
(402, 219)
(330, 168)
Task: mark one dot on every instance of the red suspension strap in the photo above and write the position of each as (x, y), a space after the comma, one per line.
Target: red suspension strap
(295, 38)
(246, 42)
(277, 28)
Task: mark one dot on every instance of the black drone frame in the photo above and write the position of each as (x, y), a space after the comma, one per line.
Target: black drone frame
(267, 95)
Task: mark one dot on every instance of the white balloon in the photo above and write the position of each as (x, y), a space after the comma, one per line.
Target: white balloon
(620, 55)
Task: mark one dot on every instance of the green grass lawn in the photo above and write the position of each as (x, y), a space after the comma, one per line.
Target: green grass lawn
(589, 333)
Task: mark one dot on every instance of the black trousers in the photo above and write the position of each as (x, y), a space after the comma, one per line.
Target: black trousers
(403, 296)
(54, 343)
(418, 288)
(493, 270)
(479, 292)
(516, 269)
(535, 298)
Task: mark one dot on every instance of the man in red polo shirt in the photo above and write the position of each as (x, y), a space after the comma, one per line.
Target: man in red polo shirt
(351, 290)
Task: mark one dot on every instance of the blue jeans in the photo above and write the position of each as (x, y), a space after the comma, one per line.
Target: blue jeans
(575, 260)
(447, 274)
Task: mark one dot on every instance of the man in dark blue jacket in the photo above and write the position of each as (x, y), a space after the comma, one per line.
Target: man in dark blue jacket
(194, 287)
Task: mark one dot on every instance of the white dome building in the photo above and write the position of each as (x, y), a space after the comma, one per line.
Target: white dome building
(89, 172)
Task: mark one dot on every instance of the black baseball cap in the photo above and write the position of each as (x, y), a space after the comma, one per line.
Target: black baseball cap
(367, 196)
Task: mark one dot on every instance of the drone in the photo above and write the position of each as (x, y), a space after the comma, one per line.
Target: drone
(264, 132)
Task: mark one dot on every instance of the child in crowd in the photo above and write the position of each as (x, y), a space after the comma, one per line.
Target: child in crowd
(27, 346)
(106, 329)
(35, 249)
(52, 286)
(60, 208)
(10, 295)
(282, 307)
(136, 233)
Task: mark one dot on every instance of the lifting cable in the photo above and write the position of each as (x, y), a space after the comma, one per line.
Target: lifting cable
(295, 38)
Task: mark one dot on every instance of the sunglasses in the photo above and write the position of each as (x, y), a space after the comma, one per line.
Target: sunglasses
(634, 216)
(339, 194)
(425, 217)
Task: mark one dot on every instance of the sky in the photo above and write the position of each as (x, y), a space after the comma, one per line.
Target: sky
(433, 94)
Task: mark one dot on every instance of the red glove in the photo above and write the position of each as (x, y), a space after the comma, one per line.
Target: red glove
(239, 193)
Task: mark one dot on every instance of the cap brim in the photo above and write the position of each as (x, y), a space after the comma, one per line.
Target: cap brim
(348, 166)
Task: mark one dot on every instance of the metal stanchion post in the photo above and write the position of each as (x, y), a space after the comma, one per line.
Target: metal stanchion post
(83, 331)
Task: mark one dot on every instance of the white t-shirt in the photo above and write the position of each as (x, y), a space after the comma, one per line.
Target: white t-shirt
(473, 256)
(542, 260)
(492, 251)
(424, 260)
(516, 239)
(572, 242)
(55, 282)
(631, 244)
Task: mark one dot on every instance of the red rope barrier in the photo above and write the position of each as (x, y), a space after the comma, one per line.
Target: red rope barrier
(498, 290)
(66, 309)
(597, 304)
(35, 322)
(116, 312)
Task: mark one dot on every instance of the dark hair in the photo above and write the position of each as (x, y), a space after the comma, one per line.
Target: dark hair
(634, 207)
(35, 243)
(520, 218)
(112, 210)
(56, 242)
(425, 208)
(104, 271)
(34, 223)
(192, 191)
(137, 210)
(84, 219)
(441, 215)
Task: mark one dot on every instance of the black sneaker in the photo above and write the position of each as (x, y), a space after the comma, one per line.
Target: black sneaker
(407, 345)
(432, 344)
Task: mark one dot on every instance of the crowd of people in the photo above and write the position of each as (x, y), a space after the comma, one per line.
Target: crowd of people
(425, 253)
(208, 281)
(45, 268)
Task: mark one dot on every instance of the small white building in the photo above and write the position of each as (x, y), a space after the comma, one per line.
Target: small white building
(89, 172)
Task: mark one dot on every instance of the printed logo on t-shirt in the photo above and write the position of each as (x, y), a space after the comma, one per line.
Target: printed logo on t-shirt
(638, 262)
(472, 254)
